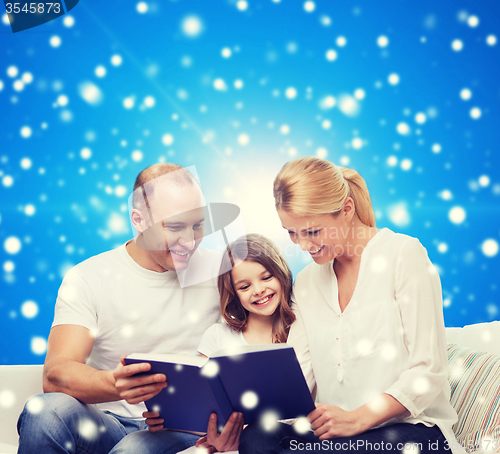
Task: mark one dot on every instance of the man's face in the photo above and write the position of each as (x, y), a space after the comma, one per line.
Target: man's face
(178, 214)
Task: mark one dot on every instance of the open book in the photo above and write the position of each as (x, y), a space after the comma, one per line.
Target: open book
(264, 382)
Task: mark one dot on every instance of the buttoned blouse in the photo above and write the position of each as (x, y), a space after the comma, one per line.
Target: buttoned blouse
(389, 339)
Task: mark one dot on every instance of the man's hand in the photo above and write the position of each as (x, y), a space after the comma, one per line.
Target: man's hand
(137, 389)
(227, 440)
(153, 420)
(330, 421)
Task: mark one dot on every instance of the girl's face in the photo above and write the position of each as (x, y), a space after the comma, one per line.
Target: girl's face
(258, 290)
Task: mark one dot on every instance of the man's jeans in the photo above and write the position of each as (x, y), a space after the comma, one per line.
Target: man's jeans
(58, 423)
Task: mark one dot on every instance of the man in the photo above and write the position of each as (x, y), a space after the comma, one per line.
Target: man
(119, 302)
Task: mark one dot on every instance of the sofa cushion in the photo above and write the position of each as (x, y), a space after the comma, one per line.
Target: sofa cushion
(474, 379)
(484, 337)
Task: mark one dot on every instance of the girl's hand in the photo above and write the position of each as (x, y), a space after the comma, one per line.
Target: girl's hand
(227, 440)
(330, 421)
(153, 420)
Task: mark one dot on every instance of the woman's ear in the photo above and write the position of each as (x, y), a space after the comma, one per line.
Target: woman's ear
(349, 209)
(138, 220)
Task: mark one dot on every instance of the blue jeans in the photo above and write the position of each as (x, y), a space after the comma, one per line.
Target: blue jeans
(388, 439)
(58, 423)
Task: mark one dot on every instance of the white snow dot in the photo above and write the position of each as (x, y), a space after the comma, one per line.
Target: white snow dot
(327, 102)
(309, 6)
(442, 247)
(249, 399)
(399, 215)
(129, 102)
(382, 41)
(12, 71)
(457, 45)
(29, 309)
(1, 85)
(359, 94)
(284, 129)
(90, 93)
(421, 385)
(7, 398)
(446, 194)
(12, 245)
(326, 124)
(465, 94)
(142, 7)
(149, 101)
(19, 85)
(100, 71)
(436, 148)
(7, 181)
(88, 429)
(26, 132)
(243, 139)
(406, 164)
(137, 156)
(322, 152)
(302, 425)
(5, 19)
(167, 139)
(403, 128)
(393, 79)
(116, 60)
(490, 247)
(210, 369)
(120, 190)
(29, 210)
(62, 100)
(348, 105)
(242, 5)
(291, 93)
(226, 52)
(85, 153)
(392, 161)
(491, 40)
(388, 352)
(357, 143)
(420, 118)
(331, 55)
(475, 113)
(220, 85)
(341, 41)
(325, 20)
(344, 160)
(484, 181)
(38, 345)
(68, 21)
(473, 21)
(55, 41)
(238, 84)
(9, 266)
(269, 421)
(27, 78)
(35, 405)
(457, 215)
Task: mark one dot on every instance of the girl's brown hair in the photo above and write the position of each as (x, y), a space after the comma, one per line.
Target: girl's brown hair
(256, 248)
(313, 186)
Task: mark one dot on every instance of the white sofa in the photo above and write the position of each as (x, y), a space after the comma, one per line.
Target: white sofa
(19, 383)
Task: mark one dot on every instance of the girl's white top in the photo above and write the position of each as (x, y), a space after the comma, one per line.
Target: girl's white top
(389, 339)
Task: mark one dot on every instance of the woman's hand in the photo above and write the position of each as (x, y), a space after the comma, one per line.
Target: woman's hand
(153, 420)
(330, 421)
(227, 440)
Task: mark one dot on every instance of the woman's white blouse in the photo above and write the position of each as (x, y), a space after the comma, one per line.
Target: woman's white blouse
(389, 339)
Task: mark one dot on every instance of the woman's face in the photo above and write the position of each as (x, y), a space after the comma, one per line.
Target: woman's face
(325, 236)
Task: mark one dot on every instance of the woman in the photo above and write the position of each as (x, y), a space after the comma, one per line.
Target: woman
(371, 306)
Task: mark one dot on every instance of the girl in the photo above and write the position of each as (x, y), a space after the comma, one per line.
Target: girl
(255, 287)
(372, 309)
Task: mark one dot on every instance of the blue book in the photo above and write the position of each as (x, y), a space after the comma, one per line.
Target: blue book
(263, 382)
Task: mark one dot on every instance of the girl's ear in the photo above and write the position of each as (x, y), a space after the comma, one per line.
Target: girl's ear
(348, 209)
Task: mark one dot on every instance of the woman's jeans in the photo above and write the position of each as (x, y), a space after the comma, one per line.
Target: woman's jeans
(395, 439)
(58, 423)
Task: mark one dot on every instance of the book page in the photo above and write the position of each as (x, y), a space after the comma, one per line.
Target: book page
(197, 361)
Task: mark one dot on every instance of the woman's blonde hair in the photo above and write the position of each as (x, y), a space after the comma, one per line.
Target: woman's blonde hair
(256, 248)
(313, 186)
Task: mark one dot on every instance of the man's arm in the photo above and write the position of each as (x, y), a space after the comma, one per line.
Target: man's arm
(65, 371)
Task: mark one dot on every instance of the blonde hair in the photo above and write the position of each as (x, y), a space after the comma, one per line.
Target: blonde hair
(313, 186)
(256, 248)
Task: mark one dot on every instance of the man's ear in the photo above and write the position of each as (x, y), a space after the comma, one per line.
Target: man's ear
(138, 220)
(349, 209)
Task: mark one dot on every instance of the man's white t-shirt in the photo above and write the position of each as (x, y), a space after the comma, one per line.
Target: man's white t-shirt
(130, 309)
(221, 337)
(389, 339)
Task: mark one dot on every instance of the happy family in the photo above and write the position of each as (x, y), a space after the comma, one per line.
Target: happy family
(365, 319)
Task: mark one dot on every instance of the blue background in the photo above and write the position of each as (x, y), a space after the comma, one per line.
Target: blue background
(73, 140)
